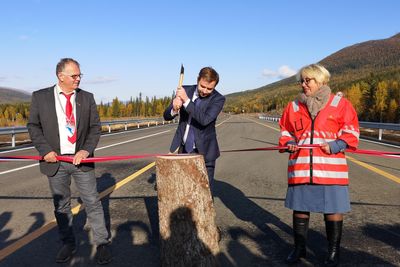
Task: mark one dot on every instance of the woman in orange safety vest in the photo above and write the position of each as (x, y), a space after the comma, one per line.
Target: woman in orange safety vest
(318, 178)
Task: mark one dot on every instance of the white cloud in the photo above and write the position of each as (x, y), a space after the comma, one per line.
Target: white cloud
(283, 71)
(102, 79)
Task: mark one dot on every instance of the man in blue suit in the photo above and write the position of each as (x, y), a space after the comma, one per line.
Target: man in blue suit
(198, 106)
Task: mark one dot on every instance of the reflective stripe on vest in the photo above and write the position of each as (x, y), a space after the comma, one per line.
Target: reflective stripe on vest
(335, 101)
(318, 160)
(295, 105)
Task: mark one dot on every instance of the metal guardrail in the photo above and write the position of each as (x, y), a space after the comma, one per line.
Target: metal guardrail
(13, 131)
(137, 121)
(378, 125)
(267, 118)
(363, 124)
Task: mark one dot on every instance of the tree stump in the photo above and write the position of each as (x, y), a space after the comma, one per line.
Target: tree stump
(188, 233)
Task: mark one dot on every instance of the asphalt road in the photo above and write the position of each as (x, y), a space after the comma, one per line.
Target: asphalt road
(250, 191)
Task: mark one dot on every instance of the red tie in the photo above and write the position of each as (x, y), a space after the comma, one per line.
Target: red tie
(69, 113)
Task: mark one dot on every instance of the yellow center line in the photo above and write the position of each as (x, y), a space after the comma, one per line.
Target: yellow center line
(50, 225)
(376, 170)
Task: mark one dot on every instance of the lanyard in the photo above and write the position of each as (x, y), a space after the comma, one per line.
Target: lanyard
(69, 120)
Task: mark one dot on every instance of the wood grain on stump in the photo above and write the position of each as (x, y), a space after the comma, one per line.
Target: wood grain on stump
(188, 232)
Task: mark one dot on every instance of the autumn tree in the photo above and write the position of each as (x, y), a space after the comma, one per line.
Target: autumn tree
(115, 108)
(354, 95)
(380, 99)
(392, 111)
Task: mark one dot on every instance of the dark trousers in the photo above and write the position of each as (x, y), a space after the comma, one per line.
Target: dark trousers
(210, 165)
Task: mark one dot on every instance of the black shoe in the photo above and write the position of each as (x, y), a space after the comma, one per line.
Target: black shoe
(295, 255)
(332, 260)
(103, 254)
(334, 235)
(300, 230)
(65, 253)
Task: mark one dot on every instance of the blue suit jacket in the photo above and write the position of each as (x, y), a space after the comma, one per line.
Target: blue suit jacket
(203, 121)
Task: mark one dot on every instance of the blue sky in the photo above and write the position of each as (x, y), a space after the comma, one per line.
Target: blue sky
(127, 47)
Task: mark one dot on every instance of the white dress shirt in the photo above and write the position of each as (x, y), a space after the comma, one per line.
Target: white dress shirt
(195, 96)
(66, 147)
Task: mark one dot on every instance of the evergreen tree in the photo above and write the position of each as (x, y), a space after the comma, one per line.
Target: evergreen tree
(115, 108)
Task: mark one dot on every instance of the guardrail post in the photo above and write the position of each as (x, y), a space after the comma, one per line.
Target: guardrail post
(138, 125)
(156, 123)
(163, 122)
(109, 128)
(380, 134)
(126, 126)
(148, 124)
(13, 139)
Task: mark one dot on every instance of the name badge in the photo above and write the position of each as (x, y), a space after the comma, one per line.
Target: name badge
(70, 129)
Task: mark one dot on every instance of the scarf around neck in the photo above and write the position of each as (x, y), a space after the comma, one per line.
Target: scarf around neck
(317, 101)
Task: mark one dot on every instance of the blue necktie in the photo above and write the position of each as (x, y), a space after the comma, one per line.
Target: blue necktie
(190, 137)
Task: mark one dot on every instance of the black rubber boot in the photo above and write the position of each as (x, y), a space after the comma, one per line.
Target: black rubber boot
(333, 234)
(300, 229)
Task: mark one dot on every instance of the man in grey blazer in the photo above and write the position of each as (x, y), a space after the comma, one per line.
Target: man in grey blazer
(198, 106)
(64, 121)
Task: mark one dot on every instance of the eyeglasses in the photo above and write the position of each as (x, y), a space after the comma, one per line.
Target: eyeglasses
(306, 80)
(74, 76)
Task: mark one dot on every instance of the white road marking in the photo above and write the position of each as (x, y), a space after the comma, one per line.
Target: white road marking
(99, 148)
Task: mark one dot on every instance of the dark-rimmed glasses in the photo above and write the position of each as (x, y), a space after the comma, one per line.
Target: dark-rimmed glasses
(306, 80)
(75, 76)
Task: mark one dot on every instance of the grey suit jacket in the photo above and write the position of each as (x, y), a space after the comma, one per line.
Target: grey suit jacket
(44, 132)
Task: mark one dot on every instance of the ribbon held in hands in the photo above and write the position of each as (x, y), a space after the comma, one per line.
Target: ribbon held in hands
(385, 154)
(87, 160)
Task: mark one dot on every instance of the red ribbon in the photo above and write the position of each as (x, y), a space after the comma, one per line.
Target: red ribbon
(385, 154)
(87, 160)
(271, 148)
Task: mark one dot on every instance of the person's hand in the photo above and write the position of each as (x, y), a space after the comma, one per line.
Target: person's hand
(176, 104)
(50, 157)
(292, 148)
(325, 148)
(79, 156)
(181, 93)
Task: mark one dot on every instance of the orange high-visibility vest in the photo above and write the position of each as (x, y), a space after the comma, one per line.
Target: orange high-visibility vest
(337, 120)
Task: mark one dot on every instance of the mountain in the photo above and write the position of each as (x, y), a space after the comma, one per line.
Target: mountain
(376, 54)
(10, 95)
(378, 58)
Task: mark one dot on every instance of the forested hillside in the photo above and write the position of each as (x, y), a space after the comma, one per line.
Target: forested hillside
(368, 73)
(9, 95)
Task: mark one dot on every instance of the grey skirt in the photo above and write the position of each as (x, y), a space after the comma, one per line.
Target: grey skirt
(318, 198)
